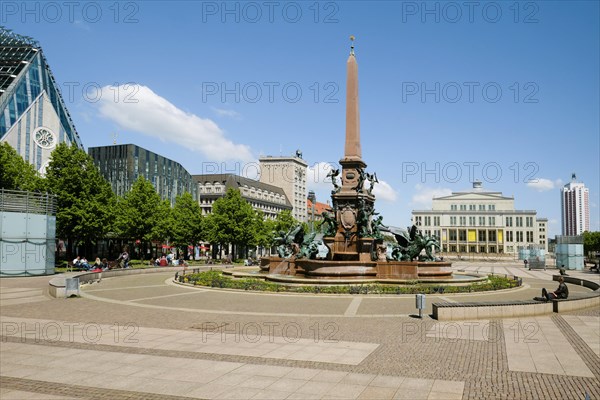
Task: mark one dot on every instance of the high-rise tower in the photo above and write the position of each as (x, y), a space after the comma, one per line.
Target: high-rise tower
(575, 209)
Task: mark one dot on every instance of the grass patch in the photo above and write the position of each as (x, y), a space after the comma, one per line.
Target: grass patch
(217, 280)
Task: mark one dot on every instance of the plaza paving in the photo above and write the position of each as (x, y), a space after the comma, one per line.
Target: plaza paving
(144, 337)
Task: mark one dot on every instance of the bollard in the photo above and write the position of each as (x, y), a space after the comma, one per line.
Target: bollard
(420, 304)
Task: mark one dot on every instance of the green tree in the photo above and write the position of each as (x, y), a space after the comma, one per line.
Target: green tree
(16, 173)
(232, 221)
(186, 221)
(85, 201)
(284, 221)
(142, 215)
(263, 229)
(591, 242)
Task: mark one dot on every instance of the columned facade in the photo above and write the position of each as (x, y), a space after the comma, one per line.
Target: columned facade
(481, 222)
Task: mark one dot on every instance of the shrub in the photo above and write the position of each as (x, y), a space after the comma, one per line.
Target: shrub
(217, 279)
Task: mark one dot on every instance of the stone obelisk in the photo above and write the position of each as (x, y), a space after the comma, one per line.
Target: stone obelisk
(352, 163)
(353, 204)
(352, 150)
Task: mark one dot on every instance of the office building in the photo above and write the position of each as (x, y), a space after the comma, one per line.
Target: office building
(288, 173)
(123, 164)
(269, 199)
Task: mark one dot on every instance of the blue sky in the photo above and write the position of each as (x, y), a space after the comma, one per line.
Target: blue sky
(503, 92)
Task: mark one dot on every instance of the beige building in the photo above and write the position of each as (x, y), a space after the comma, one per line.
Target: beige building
(288, 173)
(270, 199)
(481, 222)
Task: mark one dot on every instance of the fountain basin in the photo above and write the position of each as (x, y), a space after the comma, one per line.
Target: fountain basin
(319, 268)
(399, 270)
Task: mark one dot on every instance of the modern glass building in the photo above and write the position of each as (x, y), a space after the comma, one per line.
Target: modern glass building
(123, 164)
(33, 116)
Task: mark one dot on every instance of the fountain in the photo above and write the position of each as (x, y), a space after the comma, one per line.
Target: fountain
(350, 242)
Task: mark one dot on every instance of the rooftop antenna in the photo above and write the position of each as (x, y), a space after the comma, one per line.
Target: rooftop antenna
(114, 135)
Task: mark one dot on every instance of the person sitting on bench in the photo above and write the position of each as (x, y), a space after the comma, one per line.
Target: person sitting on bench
(561, 293)
(562, 270)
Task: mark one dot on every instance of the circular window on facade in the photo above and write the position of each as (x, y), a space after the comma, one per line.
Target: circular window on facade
(45, 138)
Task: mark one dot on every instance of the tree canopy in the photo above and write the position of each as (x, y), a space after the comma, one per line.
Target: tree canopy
(591, 241)
(141, 214)
(16, 173)
(232, 220)
(186, 221)
(85, 201)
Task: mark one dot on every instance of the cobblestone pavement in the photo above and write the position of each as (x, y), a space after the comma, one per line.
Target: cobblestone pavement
(143, 337)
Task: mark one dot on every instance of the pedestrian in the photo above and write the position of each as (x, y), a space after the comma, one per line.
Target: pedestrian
(124, 258)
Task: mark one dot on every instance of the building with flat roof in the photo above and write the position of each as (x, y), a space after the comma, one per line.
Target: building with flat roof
(575, 208)
(123, 164)
(288, 173)
(482, 222)
(33, 115)
(270, 199)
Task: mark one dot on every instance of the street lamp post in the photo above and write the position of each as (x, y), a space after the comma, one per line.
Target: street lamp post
(313, 199)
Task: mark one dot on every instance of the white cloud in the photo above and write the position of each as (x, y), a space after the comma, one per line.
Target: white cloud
(222, 112)
(383, 191)
(141, 110)
(543, 184)
(424, 195)
(82, 25)
(316, 176)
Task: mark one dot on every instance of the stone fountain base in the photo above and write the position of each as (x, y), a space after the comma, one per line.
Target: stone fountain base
(356, 269)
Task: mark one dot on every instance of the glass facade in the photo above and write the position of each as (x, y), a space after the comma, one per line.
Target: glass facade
(30, 100)
(123, 164)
